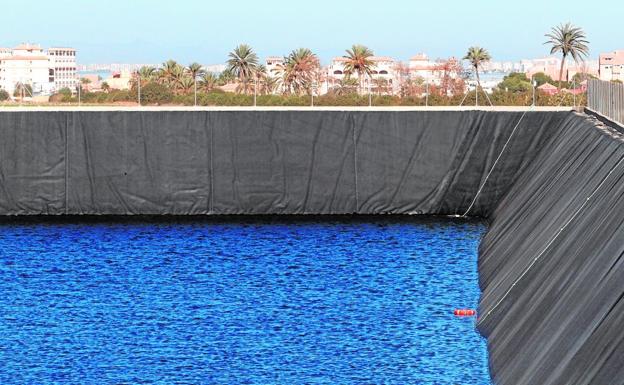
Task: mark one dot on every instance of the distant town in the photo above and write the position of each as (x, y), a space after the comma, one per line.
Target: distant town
(31, 72)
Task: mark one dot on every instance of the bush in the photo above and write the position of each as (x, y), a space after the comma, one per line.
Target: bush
(515, 82)
(120, 96)
(155, 93)
(4, 96)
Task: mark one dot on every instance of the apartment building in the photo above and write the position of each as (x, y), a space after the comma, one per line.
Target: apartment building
(420, 67)
(63, 66)
(44, 71)
(26, 64)
(384, 77)
(611, 66)
(274, 65)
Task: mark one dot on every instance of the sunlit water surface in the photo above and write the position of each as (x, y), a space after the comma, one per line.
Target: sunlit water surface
(240, 301)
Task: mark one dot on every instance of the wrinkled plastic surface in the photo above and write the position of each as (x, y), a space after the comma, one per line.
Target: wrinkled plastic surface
(552, 264)
(262, 162)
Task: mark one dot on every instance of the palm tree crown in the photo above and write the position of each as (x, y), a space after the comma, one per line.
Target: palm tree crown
(299, 69)
(242, 63)
(477, 56)
(195, 70)
(569, 41)
(170, 73)
(358, 60)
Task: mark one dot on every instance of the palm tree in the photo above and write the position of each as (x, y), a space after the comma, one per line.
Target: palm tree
(299, 71)
(358, 60)
(170, 73)
(185, 84)
(570, 41)
(147, 72)
(208, 82)
(195, 70)
(268, 85)
(105, 87)
(345, 86)
(242, 64)
(477, 56)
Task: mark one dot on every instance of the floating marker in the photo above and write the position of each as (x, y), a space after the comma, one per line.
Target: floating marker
(464, 312)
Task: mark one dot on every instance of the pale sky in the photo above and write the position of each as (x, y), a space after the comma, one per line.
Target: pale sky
(142, 31)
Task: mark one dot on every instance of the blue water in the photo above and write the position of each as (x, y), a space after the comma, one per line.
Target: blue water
(240, 301)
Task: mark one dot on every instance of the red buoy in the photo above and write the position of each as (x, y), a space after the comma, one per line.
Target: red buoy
(464, 312)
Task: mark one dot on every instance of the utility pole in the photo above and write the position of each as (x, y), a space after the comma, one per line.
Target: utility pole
(255, 89)
(370, 91)
(427, 93)
(533, 87)
(139, 86)
(79, 91)
(195, 89)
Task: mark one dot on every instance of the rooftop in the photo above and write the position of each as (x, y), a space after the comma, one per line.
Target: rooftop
(420, 56)
(25, 58)
(381, 58)
(615, 57)
(28, 46)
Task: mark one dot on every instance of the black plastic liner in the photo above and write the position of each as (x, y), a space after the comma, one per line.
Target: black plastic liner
(552, 264)
(263, 162)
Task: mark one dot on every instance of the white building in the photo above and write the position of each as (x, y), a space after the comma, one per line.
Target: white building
(44, 72)
(611, 66)
(384, 76)
(29, 65)
(430, 71)
(274, 65)
(63, 66)
(420, 67)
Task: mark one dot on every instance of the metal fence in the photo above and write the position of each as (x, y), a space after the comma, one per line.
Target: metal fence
(606, 98)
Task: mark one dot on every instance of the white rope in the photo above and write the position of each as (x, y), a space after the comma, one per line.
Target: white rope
(552, 240)
(495, 163)
(465, 96)
(488, 97)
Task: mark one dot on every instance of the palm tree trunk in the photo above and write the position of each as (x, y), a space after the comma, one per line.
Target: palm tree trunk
(478, 82)
(360, 83)
(561, 71)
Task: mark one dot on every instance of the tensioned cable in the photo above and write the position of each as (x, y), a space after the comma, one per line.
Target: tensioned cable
(465, 96)
(552, 240)
(488, 97)
(495, 163)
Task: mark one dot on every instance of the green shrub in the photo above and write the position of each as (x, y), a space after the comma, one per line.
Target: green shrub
(155, 93)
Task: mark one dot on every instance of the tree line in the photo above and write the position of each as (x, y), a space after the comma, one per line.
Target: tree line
(293, 79)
